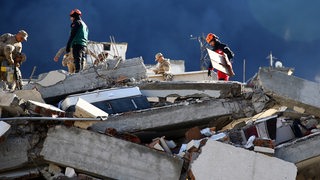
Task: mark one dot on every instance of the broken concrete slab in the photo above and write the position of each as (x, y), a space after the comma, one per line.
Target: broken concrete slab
(14, 152)
(223, 161)
(107, 157)
(89, 79)
(44, 109)
(191, 89)
(32, 94)
(12, 104)
(185, 76)
(290, 91)
(173, 117)
(299, 150)
(53, 77)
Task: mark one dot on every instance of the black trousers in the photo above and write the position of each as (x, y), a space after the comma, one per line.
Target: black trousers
(79, 55)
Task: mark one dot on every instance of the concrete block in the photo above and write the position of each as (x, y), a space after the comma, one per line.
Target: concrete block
(12, 104)
(107, 157)
(222, 161)
(32, 94)
(290, 91)
(13, 153)
(300, 149)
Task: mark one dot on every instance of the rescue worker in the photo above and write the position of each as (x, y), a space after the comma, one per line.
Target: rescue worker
(68, 59)
(78, 39)
(222, 49)
(10, 44)
(163, 67)
(11, 57)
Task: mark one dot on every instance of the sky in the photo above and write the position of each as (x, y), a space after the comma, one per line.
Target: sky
(290, 29)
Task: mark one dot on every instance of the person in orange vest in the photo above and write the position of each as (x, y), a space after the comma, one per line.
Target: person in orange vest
(221, 49)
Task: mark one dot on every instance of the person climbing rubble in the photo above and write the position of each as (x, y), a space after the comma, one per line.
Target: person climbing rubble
(221, 49)
(163, 67)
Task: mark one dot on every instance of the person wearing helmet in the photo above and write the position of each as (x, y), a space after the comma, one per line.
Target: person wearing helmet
(12, 43)
(78, 39)
(163, 67)
(222, 49)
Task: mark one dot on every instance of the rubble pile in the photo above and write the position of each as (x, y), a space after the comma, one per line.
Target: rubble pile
(125, 129)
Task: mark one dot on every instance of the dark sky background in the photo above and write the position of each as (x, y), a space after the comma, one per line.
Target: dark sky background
(251, 28)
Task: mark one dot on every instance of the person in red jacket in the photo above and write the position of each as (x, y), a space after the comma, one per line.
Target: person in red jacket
(222, 49)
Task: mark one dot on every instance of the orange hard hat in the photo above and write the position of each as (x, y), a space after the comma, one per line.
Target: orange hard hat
(211, 37)
(75, 12)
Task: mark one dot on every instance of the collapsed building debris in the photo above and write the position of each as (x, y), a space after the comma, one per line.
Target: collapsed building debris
(107, 157)
(164, 140)
(102, 76)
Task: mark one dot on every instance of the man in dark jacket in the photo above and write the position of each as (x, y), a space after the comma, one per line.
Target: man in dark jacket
(222, 49)
(78, 39)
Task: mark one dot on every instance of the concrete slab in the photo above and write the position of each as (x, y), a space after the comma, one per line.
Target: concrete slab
(53, 77)
(300, 150)
(290, 91)
(173, 117)
(13, 153)
(223, 161)
(89, 79)
(215, 89)
(12, 104)
(32, 94)
(185, 76)
(107, 157)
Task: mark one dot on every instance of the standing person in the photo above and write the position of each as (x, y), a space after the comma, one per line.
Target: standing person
(12, 44)
(222, 49)
(163, 67)
(78, 39)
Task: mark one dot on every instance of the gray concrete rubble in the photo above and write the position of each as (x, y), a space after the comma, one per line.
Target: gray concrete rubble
(300, 150)
(14, 153)
(12, 104)
(289, 90)
(191, 89)
(222, 161)
(174, 116)
(174, 137)
(89, 79)
(107, 157)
